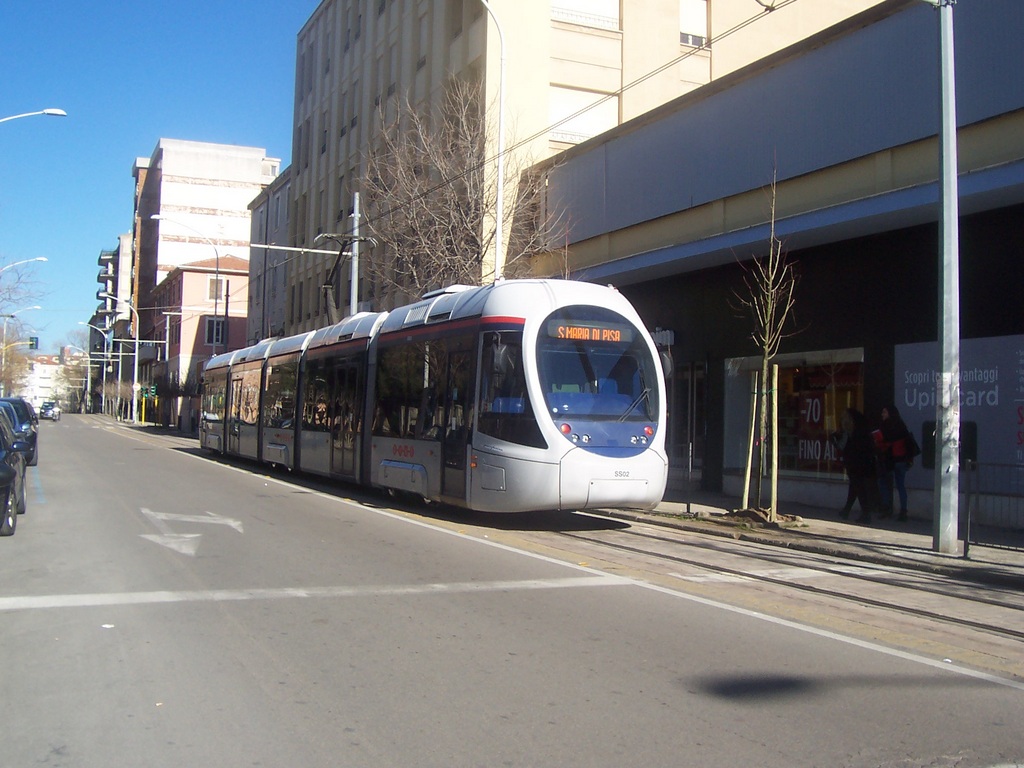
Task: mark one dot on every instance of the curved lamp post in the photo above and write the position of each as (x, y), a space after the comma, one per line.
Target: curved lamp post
(216, 254)
(3, 352)
(23, 261)
(51, 111)
(135, 364)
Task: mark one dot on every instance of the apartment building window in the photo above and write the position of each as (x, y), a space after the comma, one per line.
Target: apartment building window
(393, 64)
(603, 14)
(214, 331)
(693, 22)
(215, 289)
(454, 14)
(423, 41)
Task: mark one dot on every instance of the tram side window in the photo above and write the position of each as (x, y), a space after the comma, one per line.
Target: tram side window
(315, 417)
(409, 390)
(505, 410)
(279, 410)
(214, 390)
(249, 397)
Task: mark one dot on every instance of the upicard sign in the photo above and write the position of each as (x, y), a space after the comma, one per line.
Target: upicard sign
(991, 392)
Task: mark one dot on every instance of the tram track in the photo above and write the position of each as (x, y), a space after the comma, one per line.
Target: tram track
(873, 575)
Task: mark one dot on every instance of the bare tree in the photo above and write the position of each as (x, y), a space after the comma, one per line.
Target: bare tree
(767, 297)
(17, 290)
(431, 197)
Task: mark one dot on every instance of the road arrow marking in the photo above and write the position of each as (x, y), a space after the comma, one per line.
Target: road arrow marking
(207, 517)
(184, 543)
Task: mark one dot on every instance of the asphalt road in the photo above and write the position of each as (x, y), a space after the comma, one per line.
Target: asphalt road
(159, 608)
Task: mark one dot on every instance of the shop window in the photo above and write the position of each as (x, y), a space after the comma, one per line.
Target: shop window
(814, 391)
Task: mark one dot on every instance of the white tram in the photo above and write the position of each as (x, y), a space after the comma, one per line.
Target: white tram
(521, 395)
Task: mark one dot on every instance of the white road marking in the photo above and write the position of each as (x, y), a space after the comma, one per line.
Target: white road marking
(107, 599)
(183, 543)
(780, 574)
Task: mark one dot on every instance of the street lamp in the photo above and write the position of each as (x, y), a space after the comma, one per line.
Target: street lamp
(23, 261)
(216, 278)
(3, 352)
(54, 112)
(499, 214)
(106, 354)
(135, 365)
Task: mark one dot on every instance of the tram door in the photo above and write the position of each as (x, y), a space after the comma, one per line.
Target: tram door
(235, 416)
(345, 416)
(458, 422)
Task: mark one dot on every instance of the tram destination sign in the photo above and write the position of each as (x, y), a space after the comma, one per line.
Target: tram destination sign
(612, 332)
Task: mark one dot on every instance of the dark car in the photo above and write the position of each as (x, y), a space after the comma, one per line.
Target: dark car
(49, 410)
(12, 476)
(26, 425)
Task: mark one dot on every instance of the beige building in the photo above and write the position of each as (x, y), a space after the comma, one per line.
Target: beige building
(573, 69)
(201, 192)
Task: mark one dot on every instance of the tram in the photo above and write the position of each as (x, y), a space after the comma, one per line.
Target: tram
(518, 396)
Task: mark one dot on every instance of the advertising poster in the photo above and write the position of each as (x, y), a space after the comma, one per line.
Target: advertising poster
(991, 398)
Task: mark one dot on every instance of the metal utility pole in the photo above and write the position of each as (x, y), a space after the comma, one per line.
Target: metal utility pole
(947, 405)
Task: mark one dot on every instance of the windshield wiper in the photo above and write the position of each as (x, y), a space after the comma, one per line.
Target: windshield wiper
(639, 399)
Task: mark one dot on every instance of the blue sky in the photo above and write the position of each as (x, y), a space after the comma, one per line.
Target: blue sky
(128, 72)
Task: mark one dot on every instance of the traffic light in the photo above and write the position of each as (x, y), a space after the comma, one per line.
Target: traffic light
(152, 390)
(33, 342)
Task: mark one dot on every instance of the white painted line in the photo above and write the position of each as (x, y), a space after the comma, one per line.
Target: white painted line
(110, 599)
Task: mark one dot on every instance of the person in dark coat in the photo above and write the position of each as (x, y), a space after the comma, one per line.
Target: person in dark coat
(859, 461)
(898, 449)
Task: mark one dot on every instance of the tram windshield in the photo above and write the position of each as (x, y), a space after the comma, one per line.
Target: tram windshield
(594, 363)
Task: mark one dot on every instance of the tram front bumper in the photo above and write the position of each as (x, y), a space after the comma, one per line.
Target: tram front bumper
(589, 481)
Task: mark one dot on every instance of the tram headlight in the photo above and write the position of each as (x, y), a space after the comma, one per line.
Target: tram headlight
(565, 429)
(649, 430)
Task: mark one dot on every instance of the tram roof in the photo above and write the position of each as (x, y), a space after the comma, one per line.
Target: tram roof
(451, 303)
(510, 298)
(256, 352)
(358, 326)
(290, 344)
(222, 360)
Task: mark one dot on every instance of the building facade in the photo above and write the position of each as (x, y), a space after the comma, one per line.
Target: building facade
(189, 338)
(200, 193)
(673, 206)
(572, 69)
(268, 266)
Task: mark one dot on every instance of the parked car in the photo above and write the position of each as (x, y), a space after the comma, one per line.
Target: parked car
(49, 410)
(26, 425)
(12, 476)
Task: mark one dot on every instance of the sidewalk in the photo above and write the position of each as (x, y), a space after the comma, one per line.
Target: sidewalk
(884, 542)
